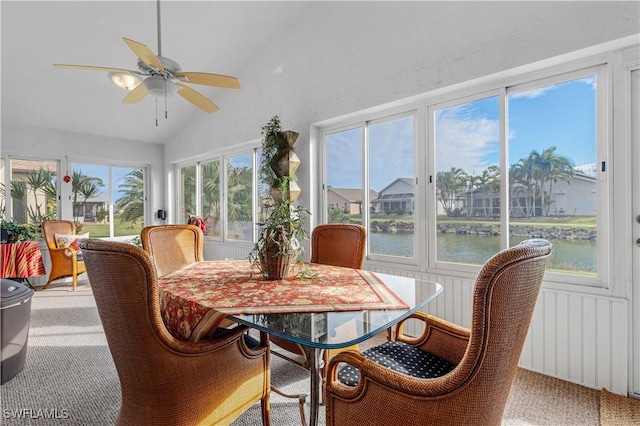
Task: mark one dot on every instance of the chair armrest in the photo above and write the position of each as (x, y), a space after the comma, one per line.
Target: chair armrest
(62, 254)
(440, 338)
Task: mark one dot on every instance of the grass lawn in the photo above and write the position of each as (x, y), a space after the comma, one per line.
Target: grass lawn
(102, 229)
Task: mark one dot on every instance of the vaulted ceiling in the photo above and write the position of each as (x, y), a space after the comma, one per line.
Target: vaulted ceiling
(205, 36)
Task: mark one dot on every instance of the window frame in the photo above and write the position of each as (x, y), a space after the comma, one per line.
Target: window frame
(501, 84)
(603, 182)
(415, 112)
(221, 156)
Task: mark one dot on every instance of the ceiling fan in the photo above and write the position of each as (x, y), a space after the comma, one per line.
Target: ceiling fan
(160, 76)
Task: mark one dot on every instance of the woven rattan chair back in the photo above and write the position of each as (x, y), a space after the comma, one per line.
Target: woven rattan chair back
(338, 245)
(64, 261)
(485, 357)
(172, 246)
(166, 381)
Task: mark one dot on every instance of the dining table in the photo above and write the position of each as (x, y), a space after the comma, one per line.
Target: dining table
(337, 308)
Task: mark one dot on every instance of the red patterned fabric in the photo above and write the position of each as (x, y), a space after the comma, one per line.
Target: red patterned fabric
(21, 260)
(194, 299)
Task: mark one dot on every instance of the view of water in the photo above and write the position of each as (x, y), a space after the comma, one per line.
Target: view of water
(568, 255)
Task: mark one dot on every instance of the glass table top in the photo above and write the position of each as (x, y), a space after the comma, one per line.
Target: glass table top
(332, 330)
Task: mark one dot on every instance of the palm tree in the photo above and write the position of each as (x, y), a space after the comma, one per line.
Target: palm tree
(527, 174)
(188, 194)
(211, 189)
(131, 204)
(448, 186)
(239, 207)
(39, 182)
(488, 182)
(85, 186)
(554, 167)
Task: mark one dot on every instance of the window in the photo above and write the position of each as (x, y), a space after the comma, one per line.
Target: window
(210, 196)
(32, 190)
(553, 170)
(370, 180)
(467, 181)
(239, 197)
(221, 191)
(502, 165)
(187, 193)
(555, 137)
(108, 201)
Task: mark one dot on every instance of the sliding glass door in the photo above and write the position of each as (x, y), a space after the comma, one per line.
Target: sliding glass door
(108, 201)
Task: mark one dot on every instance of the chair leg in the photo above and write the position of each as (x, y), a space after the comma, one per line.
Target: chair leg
(302, 399)
(266, 413)
(46, 286)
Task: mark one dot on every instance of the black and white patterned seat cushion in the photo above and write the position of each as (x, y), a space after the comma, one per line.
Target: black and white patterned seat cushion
(400, 357)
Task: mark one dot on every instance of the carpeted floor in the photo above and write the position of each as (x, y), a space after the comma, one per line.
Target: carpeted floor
(69, 378)
(617, 410)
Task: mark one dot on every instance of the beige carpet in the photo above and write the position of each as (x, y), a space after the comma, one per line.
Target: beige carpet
(616, 410)
(557, 402)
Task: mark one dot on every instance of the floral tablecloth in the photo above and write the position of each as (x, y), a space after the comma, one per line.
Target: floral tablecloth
(21, 260)
(195, 299)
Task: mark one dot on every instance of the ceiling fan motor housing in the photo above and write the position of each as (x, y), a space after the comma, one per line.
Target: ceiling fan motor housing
(158, 81)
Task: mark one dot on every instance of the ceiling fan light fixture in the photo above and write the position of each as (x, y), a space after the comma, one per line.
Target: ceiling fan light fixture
(125, 80)
(156, 86)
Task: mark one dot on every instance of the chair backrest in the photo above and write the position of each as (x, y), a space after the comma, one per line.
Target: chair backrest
(52, 227)
(165, 380)
(173, 246)
(505, 294)
(338, 245)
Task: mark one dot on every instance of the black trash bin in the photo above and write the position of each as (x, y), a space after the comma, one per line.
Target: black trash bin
(15, 310)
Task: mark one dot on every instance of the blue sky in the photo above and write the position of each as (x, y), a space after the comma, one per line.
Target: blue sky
(467, 135)
(561, 115)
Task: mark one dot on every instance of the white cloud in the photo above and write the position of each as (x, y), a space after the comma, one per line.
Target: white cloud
(465, 142)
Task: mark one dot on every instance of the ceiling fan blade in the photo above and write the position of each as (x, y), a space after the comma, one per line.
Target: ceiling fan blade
(136, 95)
(94, 68)
(196, 98)
(208, 79)
(144, 53)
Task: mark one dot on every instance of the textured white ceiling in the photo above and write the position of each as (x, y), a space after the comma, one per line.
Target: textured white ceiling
(207, 36)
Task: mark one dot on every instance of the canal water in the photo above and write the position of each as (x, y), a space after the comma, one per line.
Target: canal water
(568, 255)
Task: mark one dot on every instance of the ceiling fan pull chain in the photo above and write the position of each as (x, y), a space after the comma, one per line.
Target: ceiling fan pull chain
(165, 100)
(156, 111)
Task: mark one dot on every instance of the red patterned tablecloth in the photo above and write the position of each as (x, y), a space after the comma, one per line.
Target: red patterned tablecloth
(195, 299)
(21, 260)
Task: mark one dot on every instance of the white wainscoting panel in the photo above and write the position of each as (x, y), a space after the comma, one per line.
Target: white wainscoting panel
(578, 337)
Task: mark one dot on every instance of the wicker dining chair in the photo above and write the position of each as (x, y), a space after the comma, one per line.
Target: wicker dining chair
(172, 246)
(65, 261)
(336, 244)
(163, 380)
(449, 375)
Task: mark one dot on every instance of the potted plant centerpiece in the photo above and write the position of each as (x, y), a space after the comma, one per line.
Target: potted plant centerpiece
(282, 232)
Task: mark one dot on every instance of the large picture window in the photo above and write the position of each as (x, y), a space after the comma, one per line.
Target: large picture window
(501, 165)
(553, 185)
(221, 191)
(108, 201)
(370, 180)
